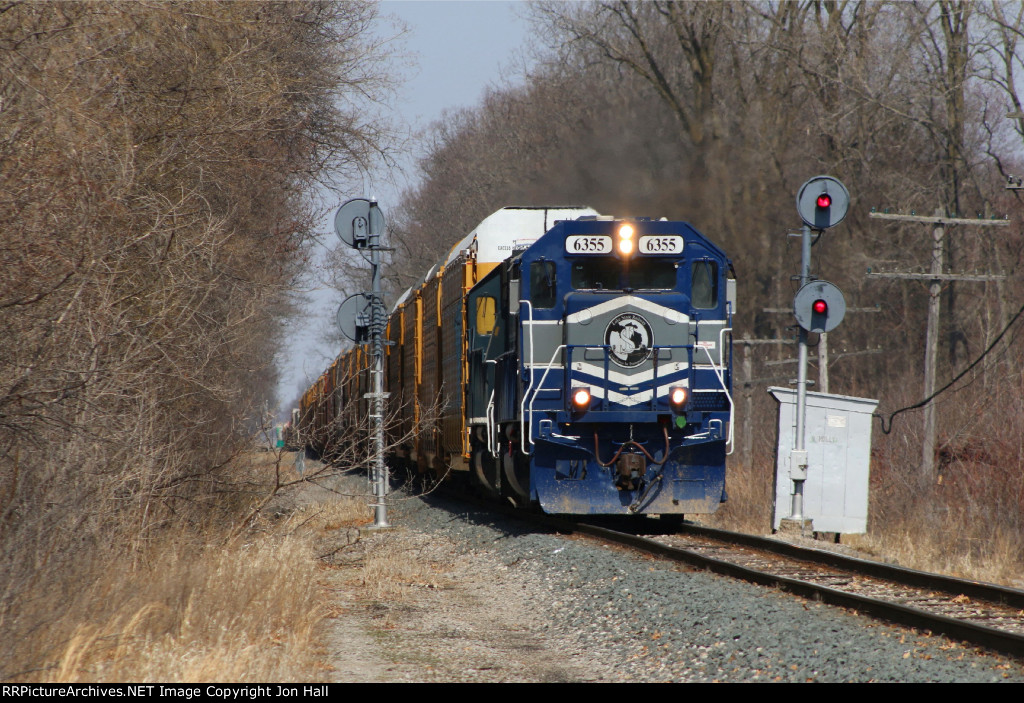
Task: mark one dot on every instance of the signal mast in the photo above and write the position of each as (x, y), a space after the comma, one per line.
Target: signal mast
(819, 306)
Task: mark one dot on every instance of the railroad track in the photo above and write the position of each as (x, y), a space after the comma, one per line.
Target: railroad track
(982, 614)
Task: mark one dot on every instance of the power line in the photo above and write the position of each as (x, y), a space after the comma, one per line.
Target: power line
(956, 378)
(940, 221)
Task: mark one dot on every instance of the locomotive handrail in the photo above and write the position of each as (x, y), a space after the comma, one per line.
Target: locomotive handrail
(526, 426)
(527, 432)
(529, 308)
(526, 391)
(492, 443)
(526, 411)
(720, 375)
(492, 435)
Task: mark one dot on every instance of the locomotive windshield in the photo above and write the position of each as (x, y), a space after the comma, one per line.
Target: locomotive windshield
(612, 274)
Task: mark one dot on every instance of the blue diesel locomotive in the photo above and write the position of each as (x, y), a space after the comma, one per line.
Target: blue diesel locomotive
(600, 369)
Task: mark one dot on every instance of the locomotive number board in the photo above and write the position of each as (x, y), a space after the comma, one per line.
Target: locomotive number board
(661, 244)
(588, 244)
(601, 244)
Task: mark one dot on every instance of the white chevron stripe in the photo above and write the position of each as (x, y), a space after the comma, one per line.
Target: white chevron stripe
(623, 301)
(665, 369)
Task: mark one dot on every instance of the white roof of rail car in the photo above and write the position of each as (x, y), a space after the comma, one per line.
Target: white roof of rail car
(513, 226)
(401, 299)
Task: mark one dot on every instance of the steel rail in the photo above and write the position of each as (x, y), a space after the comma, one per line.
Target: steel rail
(889, 572)
(992, 638)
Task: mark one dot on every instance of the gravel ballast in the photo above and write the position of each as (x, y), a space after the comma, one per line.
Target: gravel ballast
(526, 605)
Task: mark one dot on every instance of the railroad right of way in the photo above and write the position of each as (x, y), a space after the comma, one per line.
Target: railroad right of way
(643, 619)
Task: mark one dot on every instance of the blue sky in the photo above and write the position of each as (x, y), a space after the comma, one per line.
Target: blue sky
(456, 50)
(461, 45)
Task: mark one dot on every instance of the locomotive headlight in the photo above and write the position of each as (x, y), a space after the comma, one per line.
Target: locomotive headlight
(581, 398)
(626, 232)
(677, 397)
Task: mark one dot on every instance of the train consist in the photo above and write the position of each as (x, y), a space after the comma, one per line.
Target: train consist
(557, 358)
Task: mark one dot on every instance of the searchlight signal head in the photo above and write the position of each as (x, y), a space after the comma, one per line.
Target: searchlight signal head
(819, 306)
(822, 202)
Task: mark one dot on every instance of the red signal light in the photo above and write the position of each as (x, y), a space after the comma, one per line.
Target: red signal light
(820, 307)
(824, 200)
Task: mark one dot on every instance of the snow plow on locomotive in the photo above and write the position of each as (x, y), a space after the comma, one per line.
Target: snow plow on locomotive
(562, 359)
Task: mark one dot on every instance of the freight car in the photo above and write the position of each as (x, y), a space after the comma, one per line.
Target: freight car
(558, 358)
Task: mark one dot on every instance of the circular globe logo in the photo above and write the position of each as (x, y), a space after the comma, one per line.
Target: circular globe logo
(630, 337)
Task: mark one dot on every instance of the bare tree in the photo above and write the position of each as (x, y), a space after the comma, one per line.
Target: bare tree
(158, 171)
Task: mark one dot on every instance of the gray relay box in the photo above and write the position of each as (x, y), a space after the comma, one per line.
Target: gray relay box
(838, 444)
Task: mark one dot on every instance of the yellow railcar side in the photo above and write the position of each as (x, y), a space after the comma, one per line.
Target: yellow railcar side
(412, 371)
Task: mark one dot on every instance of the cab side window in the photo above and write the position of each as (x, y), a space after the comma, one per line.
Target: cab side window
(704, 285)
(486, 311)
(542, 284)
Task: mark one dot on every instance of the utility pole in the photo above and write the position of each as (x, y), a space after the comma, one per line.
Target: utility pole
(935, 277)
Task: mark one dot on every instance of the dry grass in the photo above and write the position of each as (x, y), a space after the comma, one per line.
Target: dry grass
(997, 558)
(245, 612)
(391, 573)
(968, 522)
(968, 518)
(969, 525)
(198, 606)
(749, 508)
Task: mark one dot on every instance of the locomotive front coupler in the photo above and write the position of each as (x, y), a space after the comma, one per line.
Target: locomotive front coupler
(630, 443)
(629, 470)
(630, 466)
